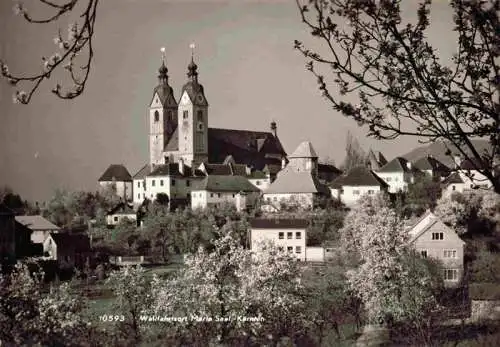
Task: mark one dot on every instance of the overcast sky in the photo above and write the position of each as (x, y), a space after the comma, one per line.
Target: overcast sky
(247, 64)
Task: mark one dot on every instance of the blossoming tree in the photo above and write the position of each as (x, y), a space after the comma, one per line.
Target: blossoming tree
(231, 295)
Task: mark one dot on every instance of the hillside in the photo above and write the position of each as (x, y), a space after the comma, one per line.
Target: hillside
(438, 150)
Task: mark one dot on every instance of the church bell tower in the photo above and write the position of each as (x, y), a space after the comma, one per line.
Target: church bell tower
(162, 115)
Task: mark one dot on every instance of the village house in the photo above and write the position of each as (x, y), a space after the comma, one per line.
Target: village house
(358, 182)
(38, 227)
(122, 211)
(118, 178)
(298, 182)
(287, 234)
(432, 238)
(471, 177)
(68, 250)
(453, 184)
(215, 190)
(398, 173)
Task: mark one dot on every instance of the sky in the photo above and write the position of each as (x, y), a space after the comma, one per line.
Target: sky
(246, 62)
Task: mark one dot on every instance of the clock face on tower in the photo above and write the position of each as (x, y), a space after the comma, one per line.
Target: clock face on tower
(200, 98)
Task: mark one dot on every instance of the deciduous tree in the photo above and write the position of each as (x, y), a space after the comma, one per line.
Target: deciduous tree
(402, 86)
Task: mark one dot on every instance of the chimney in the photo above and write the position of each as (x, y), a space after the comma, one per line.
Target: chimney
(181, 166)
(408, 165)
(274, 128)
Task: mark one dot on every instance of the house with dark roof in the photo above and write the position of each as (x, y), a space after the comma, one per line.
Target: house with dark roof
(38, 227)
(118, 177)
(287, 234)
(430, 237)
(358, 182)
(472, 177)
(453, 183)
(119, 213)
(215, 190)
(298, 182)
(67, 249)
(176, 180)
(432, 167)
(398, 173)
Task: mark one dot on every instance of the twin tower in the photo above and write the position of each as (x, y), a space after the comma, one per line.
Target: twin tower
(178, 130)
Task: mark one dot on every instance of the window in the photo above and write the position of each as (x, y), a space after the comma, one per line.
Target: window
(281, 235)
(298, 249)
(289, 235)
(341, 191)
(188, 183)
(355, 192)
(138, 184)
(275, 199)
(173, 182)
(257, 183)
(211, 195)
(450, 274)
(200, 115)
(157, 116)
(371, 191)
(268, 199)
(185, 114)
(171, 115)
(453, 187)
(395, 179)
(139, 196)
(153, 183)
(437, 236)
(450, 253)
(200, 126)
(115, 219)
(280, 248)
(298, 235)
(161, 183)
(423, 253)
(289, 249)
(388, 179)
(234, 195)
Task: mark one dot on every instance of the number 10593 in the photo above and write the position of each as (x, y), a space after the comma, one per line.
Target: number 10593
(111, 318)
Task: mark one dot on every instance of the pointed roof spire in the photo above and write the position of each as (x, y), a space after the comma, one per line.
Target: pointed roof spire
(192, 67)
(163, 77)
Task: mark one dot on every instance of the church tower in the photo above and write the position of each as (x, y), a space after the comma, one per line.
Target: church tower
(193, 119)
(162, 116)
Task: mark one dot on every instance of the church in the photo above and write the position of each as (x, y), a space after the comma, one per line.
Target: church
(179, 130)
(181, 143)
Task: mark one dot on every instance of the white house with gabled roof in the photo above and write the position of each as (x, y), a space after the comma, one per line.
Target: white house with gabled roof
(298, 181)
(398, 173)
(430, 237)
(216, 190)
(358, 182)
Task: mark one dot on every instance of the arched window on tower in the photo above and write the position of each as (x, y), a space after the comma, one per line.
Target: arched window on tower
(157, 116)
(200, 116)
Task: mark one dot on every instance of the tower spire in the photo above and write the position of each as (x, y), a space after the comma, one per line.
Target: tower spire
(163, 77)
(192, 67)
